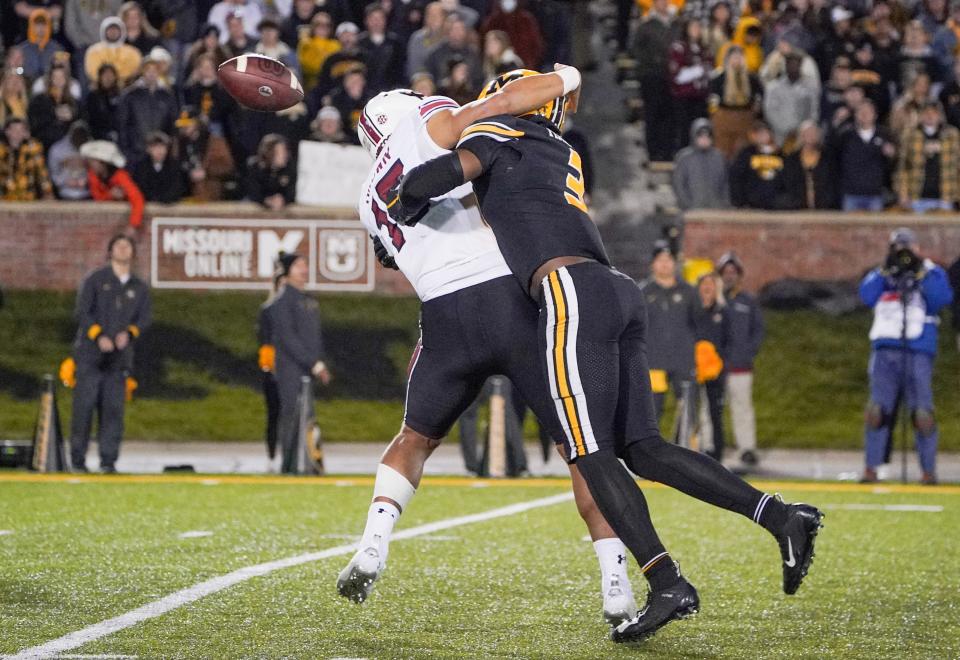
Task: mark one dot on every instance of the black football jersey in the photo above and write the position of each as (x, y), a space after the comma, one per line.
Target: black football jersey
(531, 193)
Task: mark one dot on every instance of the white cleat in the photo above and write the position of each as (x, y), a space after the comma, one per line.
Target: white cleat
(618, 604)
(356, 580)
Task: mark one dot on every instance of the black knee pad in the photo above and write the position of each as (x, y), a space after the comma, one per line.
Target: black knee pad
(924, 421)
(874, 416)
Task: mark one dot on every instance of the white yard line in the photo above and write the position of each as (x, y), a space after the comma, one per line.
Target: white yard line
(195, 534)
(196, 592)
(925, 508)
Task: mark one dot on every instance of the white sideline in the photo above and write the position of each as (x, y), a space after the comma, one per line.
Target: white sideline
(196, 592)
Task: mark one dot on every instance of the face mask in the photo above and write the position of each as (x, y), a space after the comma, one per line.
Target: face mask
(509, 5)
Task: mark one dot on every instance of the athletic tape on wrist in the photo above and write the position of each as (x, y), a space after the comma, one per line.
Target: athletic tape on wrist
(570, 77)
(392, 484)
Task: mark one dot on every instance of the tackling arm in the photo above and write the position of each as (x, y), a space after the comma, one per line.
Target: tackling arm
(431, 179)
(516, 98)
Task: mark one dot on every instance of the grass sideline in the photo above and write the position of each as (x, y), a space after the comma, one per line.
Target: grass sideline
(198, 376)
(78, 553)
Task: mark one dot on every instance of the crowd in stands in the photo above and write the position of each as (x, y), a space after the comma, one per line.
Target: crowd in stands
(809, 104)
(120, 100)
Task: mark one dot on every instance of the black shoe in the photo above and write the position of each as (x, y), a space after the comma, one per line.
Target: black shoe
(678, 602)
(796, 543)
(749, 458)
(80, 469)
(108, 469)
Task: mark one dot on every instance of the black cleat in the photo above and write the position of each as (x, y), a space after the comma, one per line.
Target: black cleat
(678, 602)
(796, 543)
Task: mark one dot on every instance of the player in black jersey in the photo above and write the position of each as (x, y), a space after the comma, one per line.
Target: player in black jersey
(592, 341)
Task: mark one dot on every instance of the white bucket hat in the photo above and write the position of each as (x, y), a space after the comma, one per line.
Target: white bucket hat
(103, 150)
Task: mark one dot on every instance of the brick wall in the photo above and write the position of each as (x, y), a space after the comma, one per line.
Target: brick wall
(814, 246)
(51, 245)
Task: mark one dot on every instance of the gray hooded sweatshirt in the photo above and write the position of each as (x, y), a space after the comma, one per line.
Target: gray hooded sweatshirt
(700, 175)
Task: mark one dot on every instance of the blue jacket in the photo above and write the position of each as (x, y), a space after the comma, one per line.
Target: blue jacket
(936, 292)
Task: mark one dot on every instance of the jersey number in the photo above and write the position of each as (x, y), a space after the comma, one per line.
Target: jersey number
(383, 186)
(575, 187)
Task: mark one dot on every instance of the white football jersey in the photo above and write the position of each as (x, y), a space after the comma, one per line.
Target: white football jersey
(451, 248)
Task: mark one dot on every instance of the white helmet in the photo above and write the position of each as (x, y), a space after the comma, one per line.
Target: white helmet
(381, 115)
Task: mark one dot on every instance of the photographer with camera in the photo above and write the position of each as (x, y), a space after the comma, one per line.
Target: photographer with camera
(906, 294)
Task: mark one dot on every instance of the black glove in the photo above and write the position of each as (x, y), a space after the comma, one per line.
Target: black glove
(383, 256)
(401, 214)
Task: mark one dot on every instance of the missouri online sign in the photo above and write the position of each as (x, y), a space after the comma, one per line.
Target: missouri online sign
(203, 253)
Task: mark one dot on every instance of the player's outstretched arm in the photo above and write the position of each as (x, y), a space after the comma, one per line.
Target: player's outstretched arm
(431, 179)
(516, 98)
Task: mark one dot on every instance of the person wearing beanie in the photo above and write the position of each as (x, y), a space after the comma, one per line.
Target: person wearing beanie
(298, 343)
(113, 310)
(700, 179)
(672, 307)
(745, 332)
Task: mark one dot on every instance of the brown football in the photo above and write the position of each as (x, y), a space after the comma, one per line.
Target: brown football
(260, 83)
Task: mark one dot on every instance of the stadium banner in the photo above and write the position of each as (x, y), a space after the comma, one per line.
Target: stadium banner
(205, 253)
(330, 175)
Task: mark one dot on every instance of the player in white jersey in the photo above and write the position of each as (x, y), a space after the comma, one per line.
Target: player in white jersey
(476, 321)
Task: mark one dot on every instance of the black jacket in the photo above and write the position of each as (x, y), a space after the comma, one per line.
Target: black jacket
(757, 180)
(671, 326)
(745, 332)
(263, 182)
(713, 325)
(142, 111)
(107, 306)
(823, 178)
(166, 186)
(295, 330)
(863, 168)
(100, 110)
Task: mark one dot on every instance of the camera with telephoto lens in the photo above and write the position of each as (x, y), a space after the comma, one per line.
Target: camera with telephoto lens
(902, 263)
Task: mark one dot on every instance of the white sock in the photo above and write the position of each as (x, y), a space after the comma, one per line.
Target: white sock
(381, 518)
(614, 558)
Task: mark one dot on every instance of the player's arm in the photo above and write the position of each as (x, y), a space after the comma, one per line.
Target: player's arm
(431, 179)
(516, 98)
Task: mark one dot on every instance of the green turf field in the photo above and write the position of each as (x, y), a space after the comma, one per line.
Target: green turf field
(526, 585)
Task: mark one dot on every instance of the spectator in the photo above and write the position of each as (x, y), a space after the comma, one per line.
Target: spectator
(67, 168)
(745, 332)
(204, 92)
(40, 47)
(13, 96)
(164, 61)
(147, 106)
(19, 15)
(102, 104)
(52, 112)
(950, 97)
(456, 46)
(946, 42)
(809, 172)
(469, 15)
(83, 22)
(916, 56)
(349, 100)
(870, 74)
(790, 100)
(651, 48)
(843, 117)
(61, 59)
(205, 170)
(747, 37)
(139, 33)
(111, 49)
(719, 28)
(522, 28)
(271, 46)
(207, 44)
(295, 329)
(927, 176)
(238, 39)
(113, 310)
(864, 154)
(23, 170)
(422, 83)
(712, 327)
(932, 14)
(247, 10)
(735, 98)
(425, 40)
(177, 20)
(700, 178)
(689, 67)
(905, 115)
(348, 58)
(457, 83)
(272, 174)
(832, 98)
(671, 325)
(906, 291)
(756, 175)
(328, 127)
(298, 21)
(839, 39)
(157, 174)
(498, 55)
(775, 66)
(107, 179)
(315, 46)
(381, 50)
(556, 25)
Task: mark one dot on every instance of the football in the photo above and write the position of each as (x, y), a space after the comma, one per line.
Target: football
(260, 83)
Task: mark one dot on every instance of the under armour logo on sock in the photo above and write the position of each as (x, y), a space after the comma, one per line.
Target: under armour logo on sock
(621, 559)
(381, 510)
